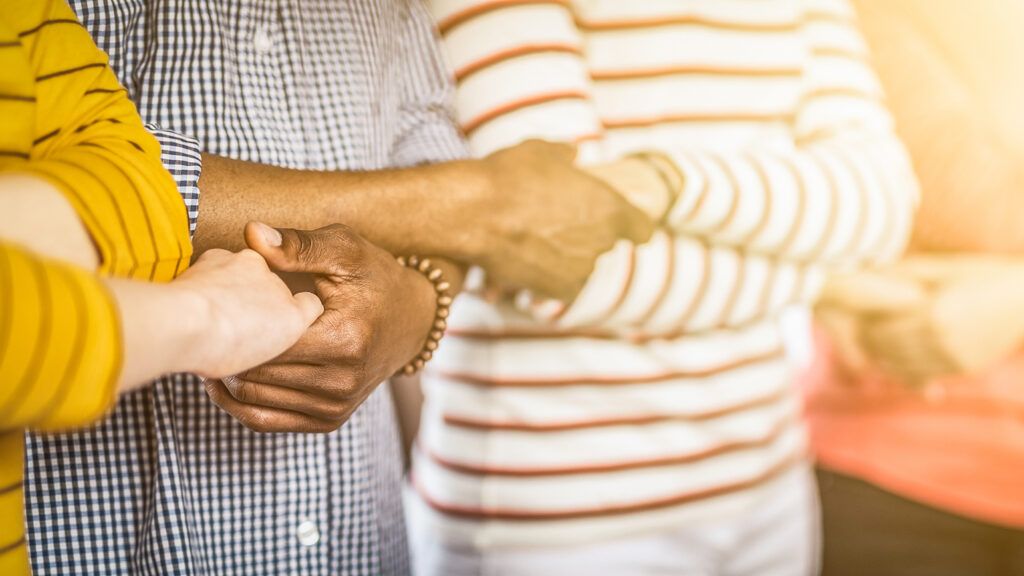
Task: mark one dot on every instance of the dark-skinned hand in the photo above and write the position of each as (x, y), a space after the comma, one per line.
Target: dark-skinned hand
(377, 315)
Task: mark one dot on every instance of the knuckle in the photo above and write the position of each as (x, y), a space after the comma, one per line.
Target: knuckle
(346, 239)
(349, 385)
(213, 255)
(304, 242)
(356, 338)
(335, 412)
(321, 427)
(250, 256)
(241, 390)
(358, 375)
(256, 420)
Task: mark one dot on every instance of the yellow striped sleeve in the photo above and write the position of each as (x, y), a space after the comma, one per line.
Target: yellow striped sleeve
(90, 142)
(17, 99)
(13, 552)
(60, 348)
(60, 357)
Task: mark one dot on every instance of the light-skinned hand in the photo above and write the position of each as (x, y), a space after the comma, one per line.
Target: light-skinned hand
(248, 315)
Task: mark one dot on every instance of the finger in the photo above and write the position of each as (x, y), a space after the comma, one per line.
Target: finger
(262, 238)
(561, 150)
(214, 255)
(330, 338)
(948, 267)
(906, 345)
(560, 277)
(323, 251)
(264, 419)
(271, 396)
(873, 293)
(310, 307)
(305, 378)
(636, 225)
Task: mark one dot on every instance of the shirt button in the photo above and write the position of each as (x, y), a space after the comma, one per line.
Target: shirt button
(261, 41)
(307, 533)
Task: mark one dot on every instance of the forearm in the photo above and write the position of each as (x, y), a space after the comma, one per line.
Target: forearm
(409, 211)
(39, 218)
(161, 329)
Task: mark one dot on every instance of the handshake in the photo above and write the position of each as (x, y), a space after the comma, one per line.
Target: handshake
(926, 317)
(284, 362)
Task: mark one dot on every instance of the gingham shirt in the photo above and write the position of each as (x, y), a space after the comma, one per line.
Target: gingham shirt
(168, 483)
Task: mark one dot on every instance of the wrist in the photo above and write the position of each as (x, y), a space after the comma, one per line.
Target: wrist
(197, 335)
(434, 295)
(462, 233)
(161, 328)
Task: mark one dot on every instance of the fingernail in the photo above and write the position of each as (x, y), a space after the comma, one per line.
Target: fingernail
(270, 235)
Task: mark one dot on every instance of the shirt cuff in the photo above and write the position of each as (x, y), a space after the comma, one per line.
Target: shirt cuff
(182, 157)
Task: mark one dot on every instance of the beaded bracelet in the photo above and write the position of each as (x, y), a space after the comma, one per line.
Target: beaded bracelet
(444, 303)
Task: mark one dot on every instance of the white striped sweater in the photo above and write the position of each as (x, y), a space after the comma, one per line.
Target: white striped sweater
(663, 391)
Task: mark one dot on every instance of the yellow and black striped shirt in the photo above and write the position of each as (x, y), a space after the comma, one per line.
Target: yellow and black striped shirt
(65, 118)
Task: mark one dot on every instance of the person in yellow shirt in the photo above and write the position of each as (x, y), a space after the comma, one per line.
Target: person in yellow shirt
(83, 188)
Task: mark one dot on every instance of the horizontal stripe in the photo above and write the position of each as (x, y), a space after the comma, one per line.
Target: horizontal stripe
(59, 73)
(624, 336)
(597, 379)
(11, 44)
(653, 504)
(838, 52)
(627, 74)
(722, 448)
(4, 549)
(595, 25)
(14, 153)
(516, 52)
(11, 487)
(94, 122)
(834, 17)
(17, 98)
(841, 92)
(105, 90)
(686, 20)
(619, 123)
(46, 23)
(470, 126)
(446, 24)
(46, 137)
(463, 422)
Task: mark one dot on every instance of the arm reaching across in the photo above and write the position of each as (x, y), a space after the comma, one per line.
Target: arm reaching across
(72, 341)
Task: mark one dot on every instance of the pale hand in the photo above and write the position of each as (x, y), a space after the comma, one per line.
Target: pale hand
(248, 315)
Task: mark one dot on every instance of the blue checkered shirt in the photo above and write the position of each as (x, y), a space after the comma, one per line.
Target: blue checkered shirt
(169, 484)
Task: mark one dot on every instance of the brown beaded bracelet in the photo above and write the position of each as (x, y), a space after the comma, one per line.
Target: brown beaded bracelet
(444, 303)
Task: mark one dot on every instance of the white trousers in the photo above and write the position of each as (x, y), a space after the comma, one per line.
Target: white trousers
(780, 538)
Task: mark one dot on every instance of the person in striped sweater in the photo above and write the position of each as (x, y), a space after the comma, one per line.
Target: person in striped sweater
(651, 424)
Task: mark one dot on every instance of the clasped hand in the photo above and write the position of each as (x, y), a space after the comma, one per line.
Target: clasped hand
(376, 317)
(927, 316)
